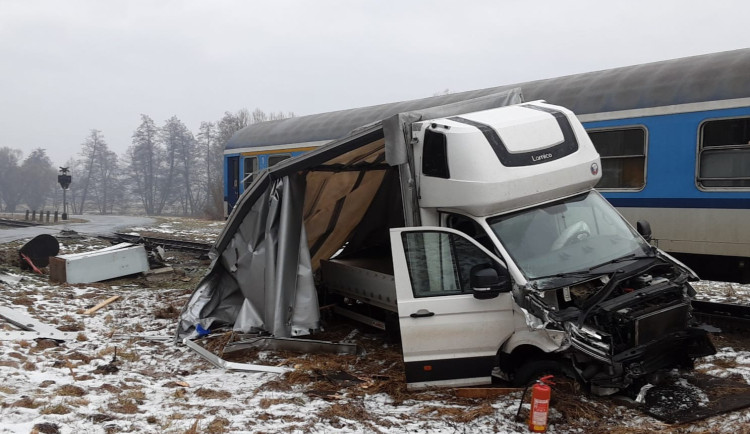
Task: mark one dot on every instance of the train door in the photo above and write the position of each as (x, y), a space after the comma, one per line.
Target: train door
(250, 167)
(232, 187)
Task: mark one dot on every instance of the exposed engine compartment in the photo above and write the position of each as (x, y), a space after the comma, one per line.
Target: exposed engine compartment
(625, 323)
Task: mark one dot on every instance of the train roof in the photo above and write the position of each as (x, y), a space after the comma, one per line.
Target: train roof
(716, 76)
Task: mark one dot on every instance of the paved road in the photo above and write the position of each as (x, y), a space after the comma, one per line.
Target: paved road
(96, 225)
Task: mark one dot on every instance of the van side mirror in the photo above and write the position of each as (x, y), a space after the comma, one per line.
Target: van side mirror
(644, 228)
(486, 283)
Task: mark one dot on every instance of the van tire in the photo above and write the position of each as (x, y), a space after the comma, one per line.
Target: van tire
(531, 371)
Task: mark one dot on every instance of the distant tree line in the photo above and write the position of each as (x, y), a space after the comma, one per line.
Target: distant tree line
(166, 170)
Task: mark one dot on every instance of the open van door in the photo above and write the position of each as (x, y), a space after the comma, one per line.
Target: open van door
(455, 307)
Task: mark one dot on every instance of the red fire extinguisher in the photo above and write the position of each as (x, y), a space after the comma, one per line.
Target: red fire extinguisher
(540, 396)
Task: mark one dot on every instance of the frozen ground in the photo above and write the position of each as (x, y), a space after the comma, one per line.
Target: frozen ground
(104, 381)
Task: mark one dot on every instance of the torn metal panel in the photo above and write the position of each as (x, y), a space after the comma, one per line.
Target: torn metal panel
(108, 263)
(231, 366)
(33, 329)
(291, 344)
(10, 279)
(20, 335)
(142, 337)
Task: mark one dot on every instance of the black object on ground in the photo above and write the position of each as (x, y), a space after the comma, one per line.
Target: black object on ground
(695, 397)
(39, 250)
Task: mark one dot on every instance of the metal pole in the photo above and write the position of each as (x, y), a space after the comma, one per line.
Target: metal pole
(65, 205)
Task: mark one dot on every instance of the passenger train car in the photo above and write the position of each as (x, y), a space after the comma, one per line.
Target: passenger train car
(674, 138)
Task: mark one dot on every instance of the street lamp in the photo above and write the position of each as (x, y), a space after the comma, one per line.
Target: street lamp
(64, 179)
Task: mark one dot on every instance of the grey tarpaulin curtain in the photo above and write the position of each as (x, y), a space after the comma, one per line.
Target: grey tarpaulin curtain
(261, 276)
(269, 250)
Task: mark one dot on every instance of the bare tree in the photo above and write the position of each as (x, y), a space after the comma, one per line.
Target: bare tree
(105, 174)
(207, 138)
(91, 150)
(38, 178)
(145, 160)
(11, 184)
(179, 146)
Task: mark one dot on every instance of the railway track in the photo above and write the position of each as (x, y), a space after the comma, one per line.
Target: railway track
(16, 223)
(189, 246)
(728, 317)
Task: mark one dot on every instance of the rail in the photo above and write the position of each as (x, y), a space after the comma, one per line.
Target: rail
(17, 223)
(167, 243)
(728, 317)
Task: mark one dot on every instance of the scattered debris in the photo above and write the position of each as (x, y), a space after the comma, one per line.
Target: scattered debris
(688, 398)
(101, 305)
(231, 366)
(10, 279)
(36, 253)
(158, 274)
(32, 329)
(109, 368)
(144, 337)
(108, 263)
(289, 344)
(30, 264)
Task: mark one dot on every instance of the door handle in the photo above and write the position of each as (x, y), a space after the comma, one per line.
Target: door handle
(422, 313)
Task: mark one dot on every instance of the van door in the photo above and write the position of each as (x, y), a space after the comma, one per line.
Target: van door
(449, 337)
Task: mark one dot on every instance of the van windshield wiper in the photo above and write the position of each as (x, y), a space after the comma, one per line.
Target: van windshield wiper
(589, 272)
(630, 257)
(578, 273)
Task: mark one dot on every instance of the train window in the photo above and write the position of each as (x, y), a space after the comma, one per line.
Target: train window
(250, 167)
(276, 159)
(724, 155)
(623, 155)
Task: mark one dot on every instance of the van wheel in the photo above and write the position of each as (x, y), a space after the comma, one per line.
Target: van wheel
(531, 371)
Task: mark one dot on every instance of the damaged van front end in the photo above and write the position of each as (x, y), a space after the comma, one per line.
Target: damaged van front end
(622, 305)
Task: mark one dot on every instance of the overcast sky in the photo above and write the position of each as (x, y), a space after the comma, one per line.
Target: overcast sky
(67, 67)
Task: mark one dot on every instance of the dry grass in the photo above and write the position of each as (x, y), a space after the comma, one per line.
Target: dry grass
(458, 414)
(45, 428)
(217, 426)
(24, 300)
(124, 405)
(8, 390)
(353, 411)
(43, 344)
(138, 395)
(27, 402)
(212, 393)
(70, 390)
(166, 312)
(56, 409)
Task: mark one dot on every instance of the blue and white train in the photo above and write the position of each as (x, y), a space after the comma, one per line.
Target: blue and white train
(674, 138)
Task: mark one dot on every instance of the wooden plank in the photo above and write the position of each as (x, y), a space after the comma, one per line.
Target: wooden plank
(101, 305)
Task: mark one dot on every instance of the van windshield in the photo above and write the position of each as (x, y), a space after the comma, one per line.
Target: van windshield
(575, 234)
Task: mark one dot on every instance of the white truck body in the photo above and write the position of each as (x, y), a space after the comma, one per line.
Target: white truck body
(512, 160)
(476, 235)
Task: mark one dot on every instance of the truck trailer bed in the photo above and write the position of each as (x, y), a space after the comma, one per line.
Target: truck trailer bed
(366, 279)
